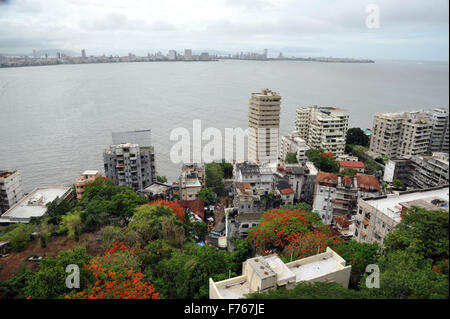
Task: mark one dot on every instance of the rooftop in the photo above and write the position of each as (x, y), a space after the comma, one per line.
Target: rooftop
(390, 205)
(34, 204)
(351, 164)
(91, 172)
(5, 174)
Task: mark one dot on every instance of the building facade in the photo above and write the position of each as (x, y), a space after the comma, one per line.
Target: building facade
(10, 189)
(293, 143)
(323, 127)
(84, 179)
(264, 124)
(192, 180)
(338, 195)
(439, 137)
(377, 217)
(401, 134)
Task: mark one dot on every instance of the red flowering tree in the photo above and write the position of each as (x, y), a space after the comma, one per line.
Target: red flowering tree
(176, 208)
(282, 227)
(115, 278)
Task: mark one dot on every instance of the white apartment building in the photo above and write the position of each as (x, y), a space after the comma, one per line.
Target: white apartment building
(377, 217)
(401, 134)
(10, 189)
(293, 143)
(439, 137)
(428, 171)
(323, 127)
(259, 177)
(338, 195)
(264, 124)
(264, 273)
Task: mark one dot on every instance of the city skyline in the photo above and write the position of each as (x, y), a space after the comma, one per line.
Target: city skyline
(408, 30)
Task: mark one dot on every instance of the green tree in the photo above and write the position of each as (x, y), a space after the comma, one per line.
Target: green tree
(56, 210)
(291, 158)
(406, 274)
(13, 287)
(50, 281)
(356, 136)
(72, 225)
(227, 169)
(397, 183)
(325, 162)
(161, 179)
(349, 172)
(307, 290)
(18, 237)
(207, 194)
(425, 232)
(214, 175)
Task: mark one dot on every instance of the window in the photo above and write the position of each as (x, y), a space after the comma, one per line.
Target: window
(244, 226)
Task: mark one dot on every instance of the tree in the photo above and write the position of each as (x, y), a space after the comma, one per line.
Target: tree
(356, 136)
(406, 274)
(13, 287)
(207, 195)
(291, 158)
(214, 175)
(397, 183)
(56, 210)
(19, 236)
(325, 162)
(425, 232)
(308, 290)
(50, 281)
(227, 169)
(279, 228)
(161, 179)
(72, 225)
(115, 277)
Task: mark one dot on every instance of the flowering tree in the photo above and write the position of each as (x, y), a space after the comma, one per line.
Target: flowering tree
(280, 228)
(176, 208)
(115, 278)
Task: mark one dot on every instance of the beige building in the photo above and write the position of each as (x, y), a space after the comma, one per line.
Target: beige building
(84, 179)
(192, 180)
(377, 217)
(401, 135)
(264, 125)
(293, 143)
(323, 127)
(265, 273)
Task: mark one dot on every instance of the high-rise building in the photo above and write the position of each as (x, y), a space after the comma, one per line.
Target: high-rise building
(188, 55)
(10, 189)
(323, 127)
(129, 163)
(172, 55)
(401, 134)
(83, 54)
(439, 137)
(264, 125)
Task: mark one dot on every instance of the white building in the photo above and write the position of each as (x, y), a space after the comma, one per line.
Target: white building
(377, 217)
(35, 204)
(293, 143)
(264, 124)
(265, 273)
(10, 189)
(323, 127)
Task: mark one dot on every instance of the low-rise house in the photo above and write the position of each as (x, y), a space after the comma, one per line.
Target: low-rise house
(293, 143)
(338, 195)
(35, 204)
(376, 217)
(84, 179)
(259, 177)
(157, 191)
(265, 273)
(344, 227)
(192, 180)
(197, 206)
(355, 165)
(301, 179)
(285, 192)
(245, 199)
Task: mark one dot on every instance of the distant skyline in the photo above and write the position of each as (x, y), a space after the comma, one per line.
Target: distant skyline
(409, 29)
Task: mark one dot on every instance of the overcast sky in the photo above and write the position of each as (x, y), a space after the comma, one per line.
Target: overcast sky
(409, 29)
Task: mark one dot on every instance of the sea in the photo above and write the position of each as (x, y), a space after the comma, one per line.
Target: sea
(56, 121)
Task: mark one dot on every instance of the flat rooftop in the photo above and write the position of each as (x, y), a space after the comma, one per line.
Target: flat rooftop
(391, 205)
(235, 290)
(315, 269)
(34, 204)
(90, 172)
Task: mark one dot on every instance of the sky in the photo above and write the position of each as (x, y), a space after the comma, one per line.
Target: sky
(407, 29)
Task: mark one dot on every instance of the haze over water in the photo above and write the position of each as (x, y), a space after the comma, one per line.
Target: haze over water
(55, 121)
